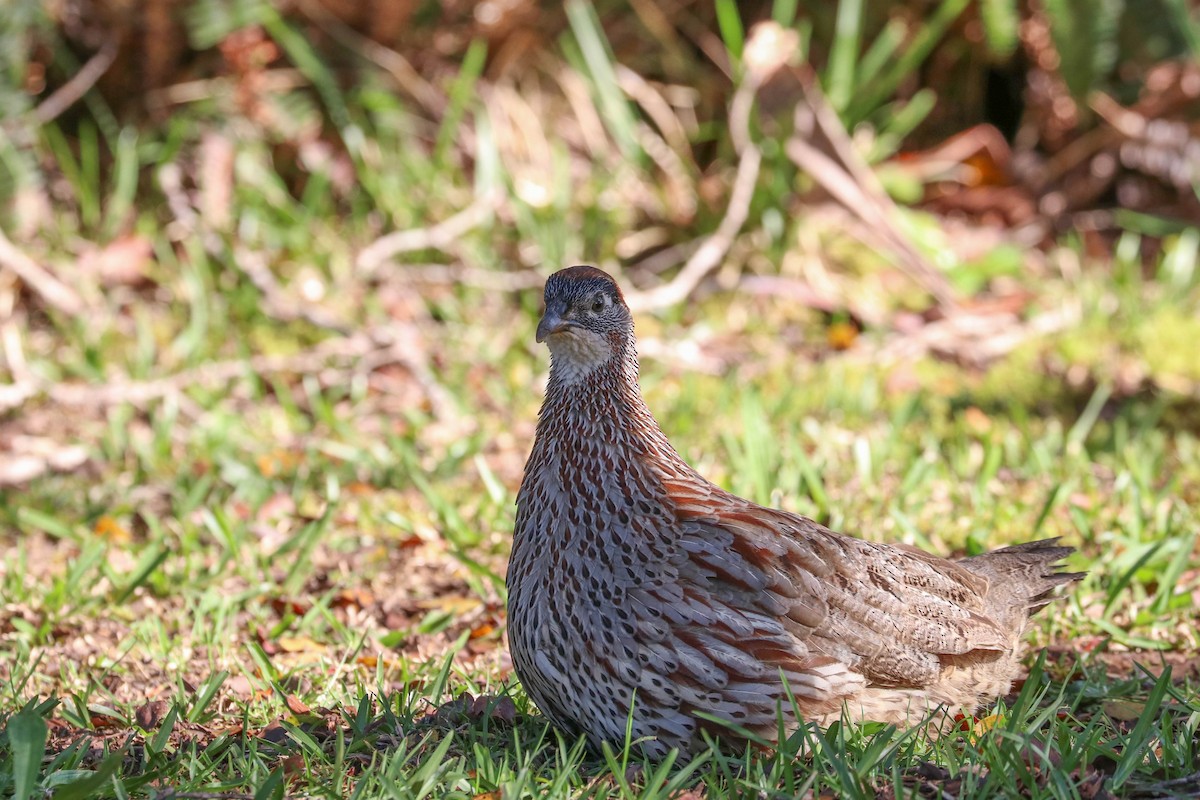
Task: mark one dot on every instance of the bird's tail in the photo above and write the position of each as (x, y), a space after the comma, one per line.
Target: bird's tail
(1025, 575)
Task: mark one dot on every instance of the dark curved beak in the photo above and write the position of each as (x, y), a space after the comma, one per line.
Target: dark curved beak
(552, 321)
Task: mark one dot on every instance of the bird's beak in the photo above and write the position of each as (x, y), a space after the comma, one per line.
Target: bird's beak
(552, 322)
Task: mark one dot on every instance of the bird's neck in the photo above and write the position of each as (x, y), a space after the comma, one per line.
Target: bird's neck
(601, 411)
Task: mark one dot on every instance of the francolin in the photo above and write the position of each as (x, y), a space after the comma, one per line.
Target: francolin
(640, 591)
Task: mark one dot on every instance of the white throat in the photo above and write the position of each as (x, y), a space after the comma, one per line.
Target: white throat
(576, 353)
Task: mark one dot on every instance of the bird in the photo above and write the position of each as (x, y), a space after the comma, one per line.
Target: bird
(644, 601)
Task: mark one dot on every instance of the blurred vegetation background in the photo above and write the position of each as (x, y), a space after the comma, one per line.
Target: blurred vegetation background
(269, 273)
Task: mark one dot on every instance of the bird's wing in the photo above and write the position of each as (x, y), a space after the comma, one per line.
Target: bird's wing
(890, 614)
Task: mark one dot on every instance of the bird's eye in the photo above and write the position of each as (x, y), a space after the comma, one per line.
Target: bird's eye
(598, 304)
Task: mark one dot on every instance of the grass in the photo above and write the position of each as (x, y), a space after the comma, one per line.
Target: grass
(305, 577)
(279, 570)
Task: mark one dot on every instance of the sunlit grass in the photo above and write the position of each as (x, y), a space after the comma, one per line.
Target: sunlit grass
(281, 567)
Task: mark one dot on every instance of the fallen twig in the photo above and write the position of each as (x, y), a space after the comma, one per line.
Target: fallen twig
(363, 352)
(70, 92)
(471, 276)
(438, 236)
(49, 288)
(30, 457)
(708, 255)
(277, 303)
(974, 339)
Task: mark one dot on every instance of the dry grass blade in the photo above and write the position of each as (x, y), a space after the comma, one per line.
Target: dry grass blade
(870, 204)
(849, 180)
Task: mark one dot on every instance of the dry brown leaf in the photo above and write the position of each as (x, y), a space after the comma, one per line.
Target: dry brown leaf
(150, 715)
(499, 709)
(456, 605)
(298, 644)
(1124, 710)
(293, 766)
(276, 507)
(110, 529)
(104, 721)
(486, 629)
(841, 335)
(977, 420)
(277, 462)
(275, 732)
(240, 685)
(289, 605)
(354, 597)
(296, 705)
(121, 262)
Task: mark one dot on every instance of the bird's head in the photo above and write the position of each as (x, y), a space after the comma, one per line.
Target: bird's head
(586, 321)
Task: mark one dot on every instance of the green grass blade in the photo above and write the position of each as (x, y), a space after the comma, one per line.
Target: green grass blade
(462, 94)
(1170, 577)
(784, 12)
(150, 561)
(589, 35)
(126, 168)
(843, 55)
(870, 96)
(1001, 26)
(272, 788)
(729, 23)
(1087, 419)
(1139, 738)
(87, 786)
(26, 731)
(312, 65)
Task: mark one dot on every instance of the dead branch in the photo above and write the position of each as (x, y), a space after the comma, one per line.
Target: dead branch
(849, 180)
